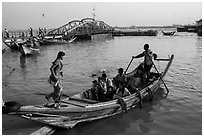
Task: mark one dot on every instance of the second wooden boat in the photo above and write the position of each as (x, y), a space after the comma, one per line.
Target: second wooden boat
(168, 33)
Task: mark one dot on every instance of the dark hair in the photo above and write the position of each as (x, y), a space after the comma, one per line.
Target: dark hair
(104, 75)
(94, 81)
(146, 46)
(60, 54)
(120, 70)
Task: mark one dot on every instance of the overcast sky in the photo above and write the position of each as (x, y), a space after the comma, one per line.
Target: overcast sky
(22, 15)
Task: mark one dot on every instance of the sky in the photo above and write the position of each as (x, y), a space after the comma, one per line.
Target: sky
(22, 15)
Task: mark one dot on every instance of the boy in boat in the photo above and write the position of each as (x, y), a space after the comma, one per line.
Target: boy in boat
(31, 32)
(92, 93)
(56, 72)
(120, 77)
(147, 54)
(7, 34)
(106, 86)
(135, 82)
(122, 91)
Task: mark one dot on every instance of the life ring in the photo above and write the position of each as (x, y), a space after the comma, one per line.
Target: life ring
(10, 106)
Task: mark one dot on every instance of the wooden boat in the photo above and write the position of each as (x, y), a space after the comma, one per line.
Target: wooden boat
(199, 32)
(182, 29)
(27, 50)
(135, 33)
(13, 44)
(168, 33)
(29, 47)
(50, 40)
(76, 109)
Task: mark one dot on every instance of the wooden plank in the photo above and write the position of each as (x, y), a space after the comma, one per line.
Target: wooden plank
(162, 59)
(84, 100)
(46, 130)
(74, 103)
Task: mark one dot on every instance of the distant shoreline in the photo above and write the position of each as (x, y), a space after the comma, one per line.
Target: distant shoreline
(145, 27)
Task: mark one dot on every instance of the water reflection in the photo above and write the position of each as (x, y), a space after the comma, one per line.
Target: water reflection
(28, 65)
(23, 62)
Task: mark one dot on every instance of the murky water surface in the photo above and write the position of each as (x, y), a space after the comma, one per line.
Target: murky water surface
(179, 113)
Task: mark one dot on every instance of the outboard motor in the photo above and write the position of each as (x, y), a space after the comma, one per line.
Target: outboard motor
(10, 106)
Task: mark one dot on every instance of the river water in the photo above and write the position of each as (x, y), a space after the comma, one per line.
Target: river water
(178, 114)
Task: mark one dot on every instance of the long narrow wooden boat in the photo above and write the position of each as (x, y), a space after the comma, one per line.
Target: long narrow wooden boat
(48, 40)
(27, 50)
(13, 44)
(168, 33)
(76, 109)
(135, 33)
(29, 47)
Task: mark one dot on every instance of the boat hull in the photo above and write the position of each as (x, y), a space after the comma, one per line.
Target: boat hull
(13, 45)
(74, 109)
(171, 33)
(54, 41)
(25, 50)
(69, 116)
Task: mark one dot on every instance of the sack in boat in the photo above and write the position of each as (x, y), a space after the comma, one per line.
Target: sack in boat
(137, 82)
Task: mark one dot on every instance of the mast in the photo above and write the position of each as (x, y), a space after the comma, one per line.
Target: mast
(94, 12)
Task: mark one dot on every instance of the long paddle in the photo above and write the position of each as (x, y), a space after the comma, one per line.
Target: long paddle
(128, 66)
(159, 75)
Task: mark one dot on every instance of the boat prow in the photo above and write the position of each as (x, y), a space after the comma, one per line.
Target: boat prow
(26, 50)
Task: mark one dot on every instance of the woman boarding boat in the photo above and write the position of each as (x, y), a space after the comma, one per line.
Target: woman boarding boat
(76, 109)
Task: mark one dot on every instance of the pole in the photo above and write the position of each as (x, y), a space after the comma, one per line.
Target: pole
(128, 66)
(159, 75)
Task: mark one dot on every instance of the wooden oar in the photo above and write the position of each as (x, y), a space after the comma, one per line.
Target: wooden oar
(128, 66)
(159, 75)
(162, 59)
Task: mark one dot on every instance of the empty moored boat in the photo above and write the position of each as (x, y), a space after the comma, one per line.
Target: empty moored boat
(168, 33)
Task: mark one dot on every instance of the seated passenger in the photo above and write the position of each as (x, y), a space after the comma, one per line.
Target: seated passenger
(106, 88)
(121, 92)
(135, 83)
(120, 77)
(92, 93)
(105, 83)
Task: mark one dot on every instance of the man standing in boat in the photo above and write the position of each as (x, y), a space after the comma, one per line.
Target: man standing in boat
(93, 92)
(7, 33)
(54, 79)
(147, 54)
(31, 32)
